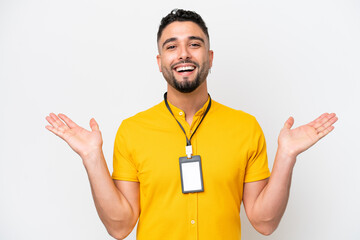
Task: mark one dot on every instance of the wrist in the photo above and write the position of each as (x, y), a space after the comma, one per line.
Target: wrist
(92, 157)
(287, 151)
(286, 155)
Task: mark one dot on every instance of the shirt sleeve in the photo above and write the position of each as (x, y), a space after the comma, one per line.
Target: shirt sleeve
(257, 165)
(123, 165)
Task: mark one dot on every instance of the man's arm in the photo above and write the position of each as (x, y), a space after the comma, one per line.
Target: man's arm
(117, 202)
(265, 201)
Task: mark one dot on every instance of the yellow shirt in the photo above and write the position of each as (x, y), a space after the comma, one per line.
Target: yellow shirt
(232, 149)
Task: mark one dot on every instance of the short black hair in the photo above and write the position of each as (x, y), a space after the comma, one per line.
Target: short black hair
(182, 16)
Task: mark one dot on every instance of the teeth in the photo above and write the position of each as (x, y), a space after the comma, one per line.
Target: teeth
(179, 69)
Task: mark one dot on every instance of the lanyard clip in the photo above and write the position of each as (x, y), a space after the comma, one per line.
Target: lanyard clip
(188, 151)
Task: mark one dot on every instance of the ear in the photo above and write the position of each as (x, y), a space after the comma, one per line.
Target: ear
(211, 57)
(158, 59)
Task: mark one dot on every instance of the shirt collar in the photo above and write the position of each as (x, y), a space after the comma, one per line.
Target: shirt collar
(180, 113)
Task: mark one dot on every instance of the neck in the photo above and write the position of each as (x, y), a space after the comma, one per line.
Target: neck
(190, 103)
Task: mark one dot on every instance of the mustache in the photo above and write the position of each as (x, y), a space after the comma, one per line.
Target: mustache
(185, 61)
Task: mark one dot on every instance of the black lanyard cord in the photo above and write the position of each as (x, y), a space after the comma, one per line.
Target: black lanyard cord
(188, 141)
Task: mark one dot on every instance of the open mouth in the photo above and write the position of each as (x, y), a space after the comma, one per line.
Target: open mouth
(184, 69)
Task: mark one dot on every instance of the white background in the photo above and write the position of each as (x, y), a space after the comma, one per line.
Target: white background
(96, 59)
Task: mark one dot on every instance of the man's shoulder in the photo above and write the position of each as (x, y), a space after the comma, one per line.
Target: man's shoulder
(147, 116)
(232, 113)
(238, 121)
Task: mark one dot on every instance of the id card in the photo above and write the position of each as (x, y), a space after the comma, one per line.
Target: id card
(191, 174)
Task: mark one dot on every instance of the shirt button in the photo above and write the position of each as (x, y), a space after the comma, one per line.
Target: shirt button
(181, 113)
(192, 221)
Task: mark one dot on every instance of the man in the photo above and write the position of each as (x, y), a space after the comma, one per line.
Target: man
(191, 192)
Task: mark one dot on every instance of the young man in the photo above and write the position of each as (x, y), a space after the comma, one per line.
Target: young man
(184, 166)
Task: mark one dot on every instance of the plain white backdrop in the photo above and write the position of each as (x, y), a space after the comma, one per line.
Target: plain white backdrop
(97, 59)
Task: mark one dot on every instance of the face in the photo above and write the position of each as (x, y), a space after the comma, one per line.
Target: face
(184, 56)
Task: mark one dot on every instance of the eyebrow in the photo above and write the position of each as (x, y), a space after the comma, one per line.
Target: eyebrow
(169, 40)
(196, 38)
(190, 38)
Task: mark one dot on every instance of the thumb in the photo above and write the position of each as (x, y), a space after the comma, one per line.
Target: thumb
(289, 123)
(93, 125)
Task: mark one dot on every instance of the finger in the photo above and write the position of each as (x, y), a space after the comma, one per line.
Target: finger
(48, 119)
(56, 122)
(289, 123)
(51, 120)
(93, 125)
(330, 118)
(327, 124)
(60, 127)
(324, 118)
(54, 130)
(317, 122)
(67, 120)
(325, 132)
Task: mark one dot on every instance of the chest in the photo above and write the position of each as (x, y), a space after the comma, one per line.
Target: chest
(223, 159)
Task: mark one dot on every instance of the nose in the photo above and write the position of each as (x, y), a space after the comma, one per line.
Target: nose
(184, 53)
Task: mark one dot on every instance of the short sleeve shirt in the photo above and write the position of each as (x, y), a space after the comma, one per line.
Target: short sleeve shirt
(232, 149)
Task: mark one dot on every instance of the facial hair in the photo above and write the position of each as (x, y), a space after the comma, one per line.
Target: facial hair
(186, 86)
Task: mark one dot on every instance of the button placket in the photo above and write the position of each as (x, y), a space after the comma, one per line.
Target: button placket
(194, 124)
(193, 215)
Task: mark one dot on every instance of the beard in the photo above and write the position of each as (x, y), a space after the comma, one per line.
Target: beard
(186, 85)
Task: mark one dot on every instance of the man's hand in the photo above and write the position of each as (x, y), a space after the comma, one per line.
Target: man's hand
(82, 141)
(265, 201)
(117, 204)
(298, 140)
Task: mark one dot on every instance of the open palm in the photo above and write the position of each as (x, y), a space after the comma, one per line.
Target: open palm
(299, 139)
(82, 141)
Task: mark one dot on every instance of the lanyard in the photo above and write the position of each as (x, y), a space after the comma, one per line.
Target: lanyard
(188, 141)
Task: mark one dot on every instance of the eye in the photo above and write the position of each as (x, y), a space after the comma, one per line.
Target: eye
(170, 47)
(195, 45)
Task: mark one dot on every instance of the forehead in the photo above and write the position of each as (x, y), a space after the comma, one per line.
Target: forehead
(182, 30)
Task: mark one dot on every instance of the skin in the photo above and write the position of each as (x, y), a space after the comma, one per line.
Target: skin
(182, 48)
(117, 202)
